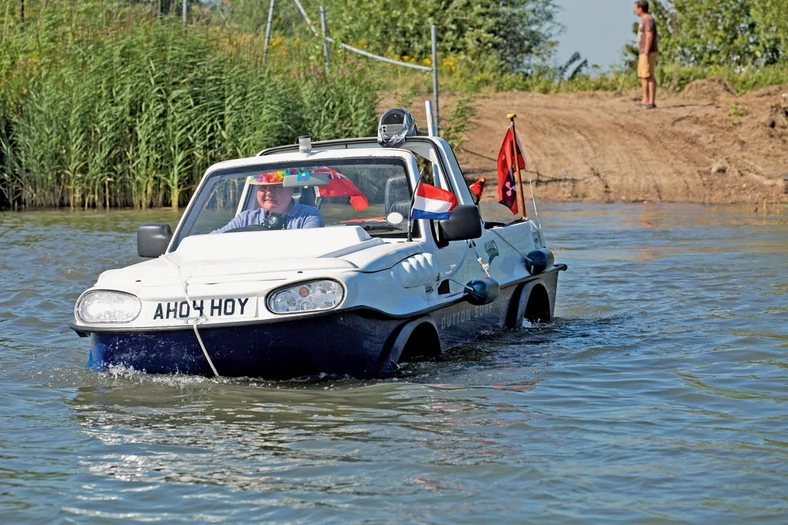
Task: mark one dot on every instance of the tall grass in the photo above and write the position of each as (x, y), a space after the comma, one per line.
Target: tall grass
(133, 116)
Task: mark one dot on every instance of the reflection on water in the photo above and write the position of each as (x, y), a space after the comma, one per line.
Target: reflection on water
(658, 395)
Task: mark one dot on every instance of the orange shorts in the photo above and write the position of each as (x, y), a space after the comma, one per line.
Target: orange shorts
(647, 64)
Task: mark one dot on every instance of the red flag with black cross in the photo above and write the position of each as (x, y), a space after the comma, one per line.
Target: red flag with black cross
(507, 168)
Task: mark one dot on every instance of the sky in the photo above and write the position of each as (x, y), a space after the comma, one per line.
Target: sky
(598, 29)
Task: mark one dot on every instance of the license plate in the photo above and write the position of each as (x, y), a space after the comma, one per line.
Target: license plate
(224, 308)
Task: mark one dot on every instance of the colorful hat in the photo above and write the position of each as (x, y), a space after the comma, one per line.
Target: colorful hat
(272, 177)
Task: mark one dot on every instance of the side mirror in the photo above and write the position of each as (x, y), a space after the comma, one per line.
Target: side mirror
(153, 239)
(465, 223)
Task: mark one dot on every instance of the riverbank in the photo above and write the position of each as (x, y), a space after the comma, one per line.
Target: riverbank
(705, 144)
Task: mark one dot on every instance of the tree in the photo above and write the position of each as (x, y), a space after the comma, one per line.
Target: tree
(722, 32)
(771, 19)
(512, 32)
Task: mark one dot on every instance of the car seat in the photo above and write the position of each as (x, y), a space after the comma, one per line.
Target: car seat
(307, 196)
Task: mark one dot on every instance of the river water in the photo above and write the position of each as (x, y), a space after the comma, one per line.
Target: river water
(659, 395)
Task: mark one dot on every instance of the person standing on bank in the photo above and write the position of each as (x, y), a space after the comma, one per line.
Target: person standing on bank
(647, 53)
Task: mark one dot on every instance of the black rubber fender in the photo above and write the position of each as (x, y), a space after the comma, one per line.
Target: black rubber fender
(537, 261)
(519, 305)
(393, 350)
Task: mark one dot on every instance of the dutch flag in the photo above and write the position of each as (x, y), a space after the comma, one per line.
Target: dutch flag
(432, 203)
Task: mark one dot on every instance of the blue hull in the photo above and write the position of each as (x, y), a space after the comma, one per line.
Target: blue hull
(348, 344)
(361, 343)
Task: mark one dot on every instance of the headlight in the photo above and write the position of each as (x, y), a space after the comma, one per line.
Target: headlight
(306, 297)
(106, 306)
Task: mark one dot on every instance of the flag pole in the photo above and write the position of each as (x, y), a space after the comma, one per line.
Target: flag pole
(518, 177)
(410, 209)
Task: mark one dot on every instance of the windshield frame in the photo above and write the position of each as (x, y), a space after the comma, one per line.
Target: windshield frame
(231, 169)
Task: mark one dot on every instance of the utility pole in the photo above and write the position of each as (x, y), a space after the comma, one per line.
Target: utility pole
(434, 38)
(268, 30)
(22, 14)
(324, 28)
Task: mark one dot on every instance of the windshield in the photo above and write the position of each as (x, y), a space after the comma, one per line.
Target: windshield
(374, 193)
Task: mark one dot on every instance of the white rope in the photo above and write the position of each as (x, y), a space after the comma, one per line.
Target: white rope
(448, 275)
(484, 265)
(194, 320)
(533, 199)
(465, 286)
(511, 246)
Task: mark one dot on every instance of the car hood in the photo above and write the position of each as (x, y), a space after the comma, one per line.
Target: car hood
(261, 256)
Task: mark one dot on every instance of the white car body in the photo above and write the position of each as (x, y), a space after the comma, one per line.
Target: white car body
(207, 304)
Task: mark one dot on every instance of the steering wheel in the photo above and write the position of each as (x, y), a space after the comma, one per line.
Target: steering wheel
(249, 228)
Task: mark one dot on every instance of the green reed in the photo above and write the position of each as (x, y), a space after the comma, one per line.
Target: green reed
(101, 108)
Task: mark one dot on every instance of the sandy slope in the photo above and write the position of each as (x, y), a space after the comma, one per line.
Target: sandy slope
(703, 145)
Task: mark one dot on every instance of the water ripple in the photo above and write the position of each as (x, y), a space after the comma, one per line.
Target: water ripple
(658, 395)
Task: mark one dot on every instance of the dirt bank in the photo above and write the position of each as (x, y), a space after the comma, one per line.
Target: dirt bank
(704, 145)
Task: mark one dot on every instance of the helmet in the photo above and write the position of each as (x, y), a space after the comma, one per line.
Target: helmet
(394, 127)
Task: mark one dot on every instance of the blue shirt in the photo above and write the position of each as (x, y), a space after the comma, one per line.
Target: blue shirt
(299, 216)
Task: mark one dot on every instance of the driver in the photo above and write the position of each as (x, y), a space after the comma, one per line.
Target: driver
(277, 206)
